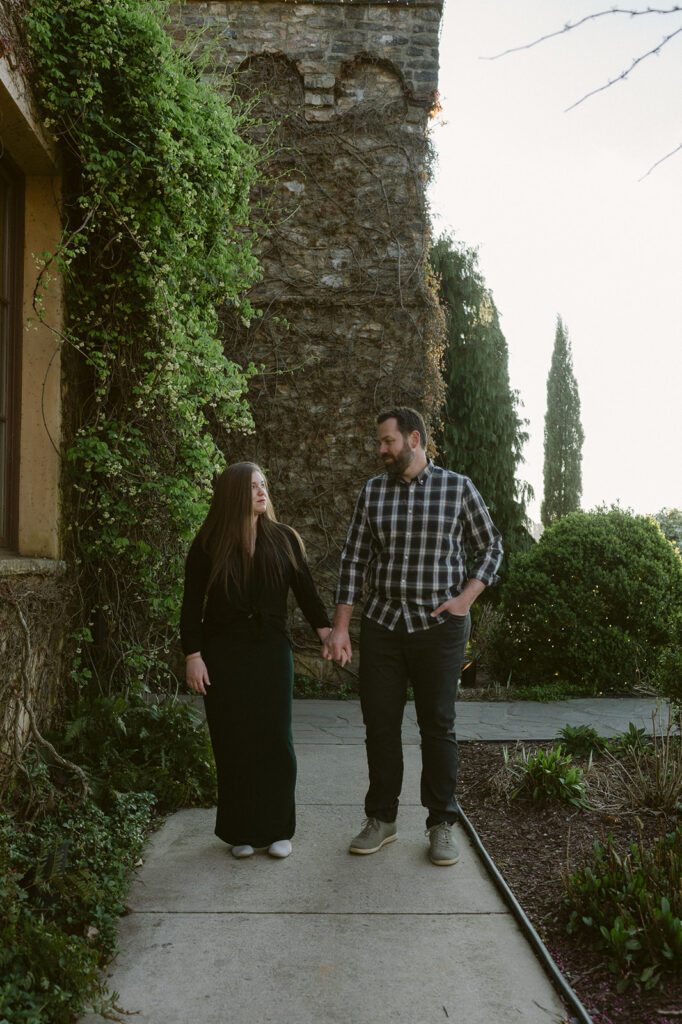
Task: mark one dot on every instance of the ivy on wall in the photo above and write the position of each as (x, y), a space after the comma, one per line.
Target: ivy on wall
(156, 184)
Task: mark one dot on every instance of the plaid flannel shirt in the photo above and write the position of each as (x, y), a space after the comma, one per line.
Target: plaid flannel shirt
(406, 546)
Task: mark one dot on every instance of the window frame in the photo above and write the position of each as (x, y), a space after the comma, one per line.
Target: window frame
(12, 197)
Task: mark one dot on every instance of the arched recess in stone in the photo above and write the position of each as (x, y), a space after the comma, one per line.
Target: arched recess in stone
(272, 82)
(370, 83)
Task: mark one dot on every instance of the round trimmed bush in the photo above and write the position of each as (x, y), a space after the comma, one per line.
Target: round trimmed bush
(596, 604)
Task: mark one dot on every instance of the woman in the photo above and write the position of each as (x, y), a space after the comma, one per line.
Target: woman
(233, 628)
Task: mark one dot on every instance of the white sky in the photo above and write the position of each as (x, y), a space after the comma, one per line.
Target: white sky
(563, 224)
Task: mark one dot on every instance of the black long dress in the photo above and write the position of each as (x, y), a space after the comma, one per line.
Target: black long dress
(245, 643)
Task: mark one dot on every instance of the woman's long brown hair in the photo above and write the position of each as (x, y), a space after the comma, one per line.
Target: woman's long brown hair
(226, 532)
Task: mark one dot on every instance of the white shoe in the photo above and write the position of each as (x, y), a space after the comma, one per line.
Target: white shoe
(242, 851)
(282, 848)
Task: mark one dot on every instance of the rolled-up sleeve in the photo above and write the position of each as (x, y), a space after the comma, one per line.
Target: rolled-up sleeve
(483, 536)
(356, 555)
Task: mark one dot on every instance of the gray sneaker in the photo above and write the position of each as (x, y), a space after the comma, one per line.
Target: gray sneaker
(373, 835)
(443, 849)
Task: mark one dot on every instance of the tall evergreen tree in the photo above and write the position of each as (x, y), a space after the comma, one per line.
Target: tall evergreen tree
(564, 435)
(482, 434)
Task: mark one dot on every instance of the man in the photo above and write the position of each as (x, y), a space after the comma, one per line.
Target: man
(406, 549)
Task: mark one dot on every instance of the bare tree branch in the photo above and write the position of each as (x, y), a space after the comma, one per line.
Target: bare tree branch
(662, 160)
(569, 26)
(624, 74)
(631, 12)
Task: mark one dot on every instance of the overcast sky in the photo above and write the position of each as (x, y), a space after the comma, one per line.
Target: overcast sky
(563, 224)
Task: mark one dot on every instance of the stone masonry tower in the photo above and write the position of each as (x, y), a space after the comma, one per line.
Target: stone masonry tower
(350, 325)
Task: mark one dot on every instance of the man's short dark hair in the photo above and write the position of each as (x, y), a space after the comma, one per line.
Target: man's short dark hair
(408, 420)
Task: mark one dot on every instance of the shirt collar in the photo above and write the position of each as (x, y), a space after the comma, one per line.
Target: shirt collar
(420, 479)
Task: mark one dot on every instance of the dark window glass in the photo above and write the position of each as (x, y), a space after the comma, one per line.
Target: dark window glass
(11, 264)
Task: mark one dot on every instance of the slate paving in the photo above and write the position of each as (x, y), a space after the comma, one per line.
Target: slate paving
(338, 721)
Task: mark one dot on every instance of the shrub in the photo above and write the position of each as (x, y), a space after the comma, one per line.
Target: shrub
(668, 675)
(134, 745)
(594, 605)
(581, 740)
(670, 523)
(548, 775)
(63, 879)
(631, 906)
(65, 865)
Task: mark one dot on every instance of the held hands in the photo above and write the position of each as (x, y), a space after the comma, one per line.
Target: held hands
(196, 674)
(337, 646)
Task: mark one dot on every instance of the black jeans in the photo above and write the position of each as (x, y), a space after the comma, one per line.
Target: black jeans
(431, 661)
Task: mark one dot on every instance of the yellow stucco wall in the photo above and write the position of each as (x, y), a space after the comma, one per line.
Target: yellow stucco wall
(41, 372)
(23, 138)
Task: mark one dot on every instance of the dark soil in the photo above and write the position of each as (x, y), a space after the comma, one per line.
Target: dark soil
(531, 847)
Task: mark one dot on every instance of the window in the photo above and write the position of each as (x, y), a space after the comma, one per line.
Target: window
(11, 264)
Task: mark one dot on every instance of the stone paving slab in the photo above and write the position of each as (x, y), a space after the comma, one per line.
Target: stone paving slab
(338, 721)
(219, 968)
(336, 775)
(188, 870)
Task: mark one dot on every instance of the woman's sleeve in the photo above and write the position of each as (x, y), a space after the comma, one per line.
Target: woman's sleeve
(305, 591)
(197, 571)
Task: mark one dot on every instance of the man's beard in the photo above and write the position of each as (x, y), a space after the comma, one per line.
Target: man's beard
(399, 463)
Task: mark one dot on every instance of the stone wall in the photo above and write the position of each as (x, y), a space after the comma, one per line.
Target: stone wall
(344, 91)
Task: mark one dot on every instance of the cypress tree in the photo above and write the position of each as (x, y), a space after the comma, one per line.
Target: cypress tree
(563, 435)
(482, 434)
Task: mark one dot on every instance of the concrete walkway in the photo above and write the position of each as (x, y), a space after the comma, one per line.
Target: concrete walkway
(324, 936)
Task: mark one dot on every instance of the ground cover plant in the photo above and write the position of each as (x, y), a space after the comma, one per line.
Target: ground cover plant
(543, 776)
(66, 855)
(600, 881)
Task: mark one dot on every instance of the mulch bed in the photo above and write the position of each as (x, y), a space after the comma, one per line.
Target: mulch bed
(532, 847)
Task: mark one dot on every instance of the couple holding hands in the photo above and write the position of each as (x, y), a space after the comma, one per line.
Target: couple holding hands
(405, 555)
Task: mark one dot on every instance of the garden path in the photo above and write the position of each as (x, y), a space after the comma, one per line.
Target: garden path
(327, 937)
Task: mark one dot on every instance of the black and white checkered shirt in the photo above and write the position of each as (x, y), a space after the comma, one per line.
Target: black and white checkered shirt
(406, 546)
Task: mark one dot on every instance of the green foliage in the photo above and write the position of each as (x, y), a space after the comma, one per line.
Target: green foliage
(483, 434)
(545, 693)
(633, 739)
(157, 180)
(631, 906)
(581, 740)
(126, 745)
(308, 688)
(651, 770)
(65, 866)
(670, 522)
(669, 671)
(548, 775)
(593, 605)
(564, 435)
(63, 879)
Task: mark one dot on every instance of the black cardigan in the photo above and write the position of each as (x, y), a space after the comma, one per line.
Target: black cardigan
(203, 614)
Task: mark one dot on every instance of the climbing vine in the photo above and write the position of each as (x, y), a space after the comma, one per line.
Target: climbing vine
(157, 174)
